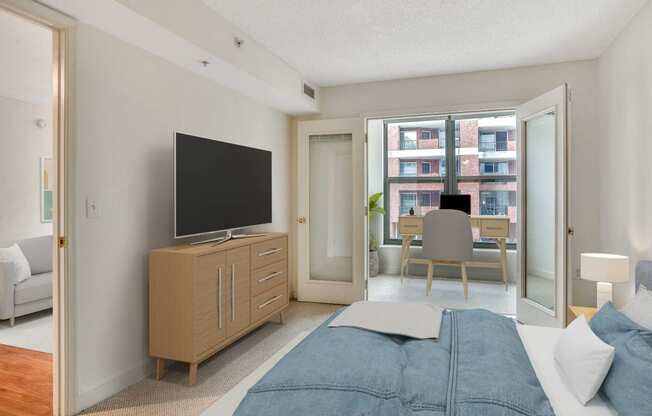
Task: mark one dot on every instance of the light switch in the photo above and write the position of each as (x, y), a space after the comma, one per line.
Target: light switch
(92, 207)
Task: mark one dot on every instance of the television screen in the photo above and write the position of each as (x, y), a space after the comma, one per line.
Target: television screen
(460, 202)
(219, 186)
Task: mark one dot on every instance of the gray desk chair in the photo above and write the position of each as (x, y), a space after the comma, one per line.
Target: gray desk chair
(447, 240)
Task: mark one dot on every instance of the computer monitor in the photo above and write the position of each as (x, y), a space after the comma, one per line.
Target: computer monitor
(459, 202)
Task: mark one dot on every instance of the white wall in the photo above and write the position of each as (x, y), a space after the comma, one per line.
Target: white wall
(625, 114)
(491, 89)
(128, 103)
(22, 144)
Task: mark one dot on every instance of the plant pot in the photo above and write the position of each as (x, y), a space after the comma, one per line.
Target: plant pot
(374, 261)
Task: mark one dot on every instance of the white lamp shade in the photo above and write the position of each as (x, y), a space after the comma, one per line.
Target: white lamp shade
(601, 267)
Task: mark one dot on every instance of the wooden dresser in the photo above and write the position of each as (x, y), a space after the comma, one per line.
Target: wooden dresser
(204, 297)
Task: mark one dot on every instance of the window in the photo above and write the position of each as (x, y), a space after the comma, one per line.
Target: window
(426, 135)
(495, 202)
(442, 167)
(408, 200)
(408, 140)
(495, 141)
(426, 199)
(417, 180)
(408, 168)
(494, 168)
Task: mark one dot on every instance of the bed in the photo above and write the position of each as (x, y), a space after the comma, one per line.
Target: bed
(482, 365)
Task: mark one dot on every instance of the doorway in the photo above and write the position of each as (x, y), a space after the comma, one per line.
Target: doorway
(414, 164)
(33, 104)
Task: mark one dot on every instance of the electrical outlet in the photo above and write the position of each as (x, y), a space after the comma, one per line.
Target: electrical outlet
(92, 208)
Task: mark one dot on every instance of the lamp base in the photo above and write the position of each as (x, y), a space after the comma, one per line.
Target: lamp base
(605, 293)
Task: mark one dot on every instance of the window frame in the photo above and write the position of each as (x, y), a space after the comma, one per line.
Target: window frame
(450, 181)
(429, 163)
(429, 135)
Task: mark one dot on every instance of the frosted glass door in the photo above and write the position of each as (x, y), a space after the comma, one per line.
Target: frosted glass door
(540, 202)
(542, 216)
(331, 199)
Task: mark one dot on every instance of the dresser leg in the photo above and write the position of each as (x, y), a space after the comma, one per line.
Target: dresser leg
(160, 368)
(281, 317)
(192, 374)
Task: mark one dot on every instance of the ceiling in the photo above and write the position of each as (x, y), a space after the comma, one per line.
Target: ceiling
(333, 42)
(25, 60)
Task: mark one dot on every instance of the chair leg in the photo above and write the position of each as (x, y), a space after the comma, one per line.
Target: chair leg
(429, 282)
(465, 281)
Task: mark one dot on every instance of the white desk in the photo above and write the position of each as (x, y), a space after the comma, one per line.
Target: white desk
(494, 227)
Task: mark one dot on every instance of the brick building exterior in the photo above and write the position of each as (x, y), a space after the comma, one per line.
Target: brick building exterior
(485, 149)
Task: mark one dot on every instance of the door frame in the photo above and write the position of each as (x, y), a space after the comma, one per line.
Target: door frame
(330, 292)
(528, 311)
(64, 364)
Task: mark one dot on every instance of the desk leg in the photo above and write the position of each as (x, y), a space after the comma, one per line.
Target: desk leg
(502, 245)
(403, 245)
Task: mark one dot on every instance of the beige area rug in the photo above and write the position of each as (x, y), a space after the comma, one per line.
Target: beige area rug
(217, 375)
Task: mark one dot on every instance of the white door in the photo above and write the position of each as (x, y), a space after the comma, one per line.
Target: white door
(542, 215)
(331, 211)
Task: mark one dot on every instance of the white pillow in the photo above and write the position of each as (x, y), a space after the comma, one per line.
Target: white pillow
(17, 263)
(583, 359)
(639, 309)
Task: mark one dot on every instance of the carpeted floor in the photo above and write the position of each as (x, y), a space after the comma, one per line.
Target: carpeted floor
(216, 376)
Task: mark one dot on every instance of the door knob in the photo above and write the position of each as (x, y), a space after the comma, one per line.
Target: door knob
(301, 220)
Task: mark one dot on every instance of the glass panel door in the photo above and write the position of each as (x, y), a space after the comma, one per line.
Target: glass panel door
(540, 203)
(331, 199)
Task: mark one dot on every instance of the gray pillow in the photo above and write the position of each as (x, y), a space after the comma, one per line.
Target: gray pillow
(38, 252)
(628, 385)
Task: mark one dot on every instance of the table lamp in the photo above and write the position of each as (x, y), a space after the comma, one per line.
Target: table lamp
(605, 269)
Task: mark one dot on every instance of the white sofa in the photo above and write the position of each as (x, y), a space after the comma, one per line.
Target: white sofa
(35, 293)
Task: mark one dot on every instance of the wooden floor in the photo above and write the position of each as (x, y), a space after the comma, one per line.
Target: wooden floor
(25, 382)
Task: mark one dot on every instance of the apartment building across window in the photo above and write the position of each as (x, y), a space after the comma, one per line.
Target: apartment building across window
(418, 162)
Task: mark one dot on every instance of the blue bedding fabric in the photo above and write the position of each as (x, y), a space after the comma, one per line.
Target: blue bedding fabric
(478, 367)
(628, 385)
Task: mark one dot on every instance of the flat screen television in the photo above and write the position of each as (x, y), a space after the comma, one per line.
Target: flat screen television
(460, 202)
(219, 186)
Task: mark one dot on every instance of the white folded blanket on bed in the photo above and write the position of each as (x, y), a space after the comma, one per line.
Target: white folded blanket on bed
(415, 320)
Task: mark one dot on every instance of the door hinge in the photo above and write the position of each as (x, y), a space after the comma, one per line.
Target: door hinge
(63, 242)
(570, 95)
(366, 138)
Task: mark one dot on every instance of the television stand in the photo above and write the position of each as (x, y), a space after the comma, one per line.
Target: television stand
(228, 236)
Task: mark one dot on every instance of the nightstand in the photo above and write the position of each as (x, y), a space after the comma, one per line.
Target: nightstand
(575, 311)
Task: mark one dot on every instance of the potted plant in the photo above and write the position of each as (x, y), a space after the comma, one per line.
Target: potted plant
(375, 210)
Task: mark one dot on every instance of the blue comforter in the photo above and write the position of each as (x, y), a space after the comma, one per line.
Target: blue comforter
(478, 367)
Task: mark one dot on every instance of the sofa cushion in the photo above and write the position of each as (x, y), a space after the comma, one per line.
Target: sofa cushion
(36, 287)
(38, 251)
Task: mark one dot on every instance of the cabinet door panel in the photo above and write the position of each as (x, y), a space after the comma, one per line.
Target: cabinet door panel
(238, 271)
(210, 287)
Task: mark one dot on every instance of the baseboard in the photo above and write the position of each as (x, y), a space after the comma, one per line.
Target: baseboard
(112, 385)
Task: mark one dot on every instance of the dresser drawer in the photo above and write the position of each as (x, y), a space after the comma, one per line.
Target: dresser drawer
(496, 228)
(268, 252)
(410, 225)
(270, 302)
(267, 277)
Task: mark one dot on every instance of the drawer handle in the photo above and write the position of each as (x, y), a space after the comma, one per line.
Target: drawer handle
(269, 302)
(233, 292)
(268, 252)
(410, 226)
(269, 276)
(219, 298)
